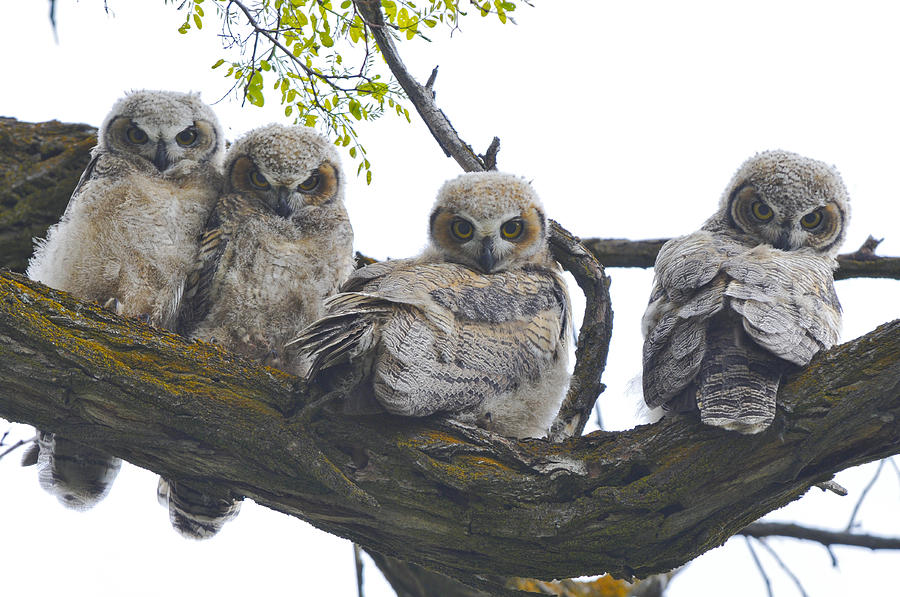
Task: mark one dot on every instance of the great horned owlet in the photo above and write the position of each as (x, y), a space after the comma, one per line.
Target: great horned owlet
(477, 326)
(128, 238)
(278, 242)
(749, 295)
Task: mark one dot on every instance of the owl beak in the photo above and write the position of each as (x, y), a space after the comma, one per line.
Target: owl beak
(283, 208)
(161, 160)
(783, 241)
(486, 257)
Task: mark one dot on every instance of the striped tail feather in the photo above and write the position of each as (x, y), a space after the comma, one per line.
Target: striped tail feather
(79, 476)
(194, 513)
(738, 380)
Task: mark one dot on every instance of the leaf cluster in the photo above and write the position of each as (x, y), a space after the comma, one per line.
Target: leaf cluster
(319, 58)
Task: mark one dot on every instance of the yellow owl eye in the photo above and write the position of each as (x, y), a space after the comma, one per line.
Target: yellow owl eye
(462, 229)
(310, 184)
(136, 135)
(762, 211)
(187, 137)
(512, 229)
(811, 220)
(258, 180)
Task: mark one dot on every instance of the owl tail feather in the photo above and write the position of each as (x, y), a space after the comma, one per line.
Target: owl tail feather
(738, 382)
(79, 476)
(195, 514)
(348, 331)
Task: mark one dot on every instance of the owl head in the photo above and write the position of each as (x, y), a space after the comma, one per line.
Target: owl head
(488, 221)
(788, 201)
(163, 127)
(285, 167)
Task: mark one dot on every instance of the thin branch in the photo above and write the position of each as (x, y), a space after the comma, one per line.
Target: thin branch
(593, 339)
(621, 252)
(17, 445)
(863, 495)
(759, 566)
(784, 567)
(422, 97)
(358, 564)
(827, 538)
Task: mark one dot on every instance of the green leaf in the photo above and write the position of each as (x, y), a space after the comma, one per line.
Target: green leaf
(219, 63)
(354, 108)
(264, 64)
(368, 177)
(288, 110)
(346, 4)
(345, 141)
(198, 22)
(184, 28)
(326, 39)
(353, 153)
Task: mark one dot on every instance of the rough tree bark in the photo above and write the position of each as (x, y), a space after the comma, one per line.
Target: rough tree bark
(454, 499)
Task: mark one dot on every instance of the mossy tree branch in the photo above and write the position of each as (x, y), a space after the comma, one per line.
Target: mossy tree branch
(458, 500)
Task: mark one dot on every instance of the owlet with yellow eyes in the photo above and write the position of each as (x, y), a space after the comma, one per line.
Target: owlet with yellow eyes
(277, 243)
(477, 326)
(749, 296)
(128, 239)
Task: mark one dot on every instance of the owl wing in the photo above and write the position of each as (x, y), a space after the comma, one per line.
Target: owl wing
(688, 289)
(229, 210)
(442, 336)
(787, 300)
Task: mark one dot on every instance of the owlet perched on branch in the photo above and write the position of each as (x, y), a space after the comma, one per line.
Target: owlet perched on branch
(476, 326)
(750, 294)
(128, 239)
(278, 242)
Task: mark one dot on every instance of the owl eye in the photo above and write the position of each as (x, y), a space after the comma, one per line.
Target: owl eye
(512, 229)
(462, 229)
(811, 220)
(761, 211)
(187, 137)
(310, 184)
(136, 135)
(258, 180)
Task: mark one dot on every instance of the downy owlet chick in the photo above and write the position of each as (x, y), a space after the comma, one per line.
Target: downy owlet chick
(128, 238)
(278, 242)
(476, 326)
(749, 295)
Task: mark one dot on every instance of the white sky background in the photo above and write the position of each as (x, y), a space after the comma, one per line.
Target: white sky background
(630, 118)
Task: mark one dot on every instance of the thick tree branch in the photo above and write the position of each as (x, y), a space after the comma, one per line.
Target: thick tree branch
(827, 538)
(459, 500)
(620, 252)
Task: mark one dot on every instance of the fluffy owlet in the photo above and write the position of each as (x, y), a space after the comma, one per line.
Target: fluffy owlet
(476, 326)
(749, 295)
(278, 242)
(128, 238)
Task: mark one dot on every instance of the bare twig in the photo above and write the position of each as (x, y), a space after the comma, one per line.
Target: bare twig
(759, 566)
(421, 96)
(864, 493)
(784, 567)
(827, 538)
(17, 445)
(357, 560)
(833, 486)
(621, 252)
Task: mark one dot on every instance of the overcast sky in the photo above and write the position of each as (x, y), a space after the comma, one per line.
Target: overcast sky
(630, 119)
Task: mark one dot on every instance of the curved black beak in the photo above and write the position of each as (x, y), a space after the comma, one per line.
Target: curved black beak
(486, 257)
(283, 208)
(161, 160)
